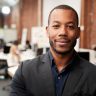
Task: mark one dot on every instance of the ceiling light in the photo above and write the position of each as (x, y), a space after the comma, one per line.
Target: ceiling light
(5, 10)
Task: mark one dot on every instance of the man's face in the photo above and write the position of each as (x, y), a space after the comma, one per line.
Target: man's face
(63, 30)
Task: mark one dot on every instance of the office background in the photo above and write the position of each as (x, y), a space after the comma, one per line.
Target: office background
(26, 21)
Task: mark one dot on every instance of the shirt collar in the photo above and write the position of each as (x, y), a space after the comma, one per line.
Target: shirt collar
(70, 62)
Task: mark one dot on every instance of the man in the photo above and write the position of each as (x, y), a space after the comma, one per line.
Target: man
(61, 71)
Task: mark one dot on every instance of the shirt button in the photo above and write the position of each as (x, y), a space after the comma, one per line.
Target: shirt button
(58, 77)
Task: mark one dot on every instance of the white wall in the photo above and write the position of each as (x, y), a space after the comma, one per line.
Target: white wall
(8, 35)
(48, 5)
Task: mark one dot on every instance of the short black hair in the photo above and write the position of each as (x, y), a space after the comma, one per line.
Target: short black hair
(63, 7)
(16, 42)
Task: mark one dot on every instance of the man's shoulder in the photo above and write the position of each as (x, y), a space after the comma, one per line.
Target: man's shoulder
(37, 61)
(85, 65)
(88, 67)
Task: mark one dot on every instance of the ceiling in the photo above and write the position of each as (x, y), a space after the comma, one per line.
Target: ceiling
(8, 2)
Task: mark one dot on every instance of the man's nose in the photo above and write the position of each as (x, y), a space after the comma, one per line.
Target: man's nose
(63, 30)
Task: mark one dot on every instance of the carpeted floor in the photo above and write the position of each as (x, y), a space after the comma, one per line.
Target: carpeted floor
(4, 87)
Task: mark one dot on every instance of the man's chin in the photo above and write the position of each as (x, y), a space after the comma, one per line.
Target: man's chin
(60, 50)
(63, 52)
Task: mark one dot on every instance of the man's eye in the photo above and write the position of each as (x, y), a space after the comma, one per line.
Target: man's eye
(71, 27)
(55, 26)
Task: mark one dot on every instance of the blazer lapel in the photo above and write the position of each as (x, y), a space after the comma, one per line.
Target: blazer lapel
(46, 76)
(73, 79)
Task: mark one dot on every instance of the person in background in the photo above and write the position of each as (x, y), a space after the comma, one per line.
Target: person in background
(61, 71)
(27, 46)
(2, 44)
(14, 55)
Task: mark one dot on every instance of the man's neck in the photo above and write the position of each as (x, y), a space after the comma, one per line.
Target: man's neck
(60, 60)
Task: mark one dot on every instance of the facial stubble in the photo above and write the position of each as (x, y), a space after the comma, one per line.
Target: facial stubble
(64, 52)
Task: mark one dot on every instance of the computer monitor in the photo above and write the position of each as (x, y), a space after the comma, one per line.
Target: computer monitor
(3, 63)
(84, 55)
(6, 49)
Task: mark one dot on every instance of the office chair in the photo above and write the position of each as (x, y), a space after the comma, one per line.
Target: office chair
(3, 68)
(3, 72)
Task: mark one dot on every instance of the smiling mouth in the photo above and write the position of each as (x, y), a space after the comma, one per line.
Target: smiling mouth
(62, 42)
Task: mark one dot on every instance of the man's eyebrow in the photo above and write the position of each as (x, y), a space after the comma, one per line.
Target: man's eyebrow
(71, 22)
(56, 22)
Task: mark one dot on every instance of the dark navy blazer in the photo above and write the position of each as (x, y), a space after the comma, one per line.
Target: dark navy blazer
(34, 78)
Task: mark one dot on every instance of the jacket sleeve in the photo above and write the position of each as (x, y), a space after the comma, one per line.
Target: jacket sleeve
(18, 87)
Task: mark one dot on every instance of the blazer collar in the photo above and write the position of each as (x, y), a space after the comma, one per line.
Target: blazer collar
(46, 76)
(74, 77)
(71, 82)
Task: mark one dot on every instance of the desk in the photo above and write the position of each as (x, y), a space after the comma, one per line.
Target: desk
(25, 55)
(12, 70)
(3, 56)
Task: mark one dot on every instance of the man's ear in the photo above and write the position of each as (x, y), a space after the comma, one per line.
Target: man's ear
(78, 32)
(47, 31)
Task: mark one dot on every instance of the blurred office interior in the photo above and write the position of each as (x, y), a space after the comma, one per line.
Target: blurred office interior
(25, 21)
